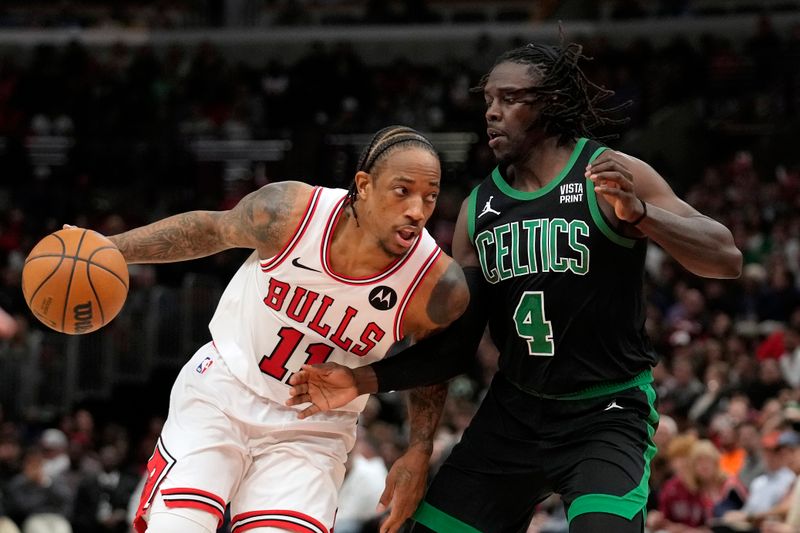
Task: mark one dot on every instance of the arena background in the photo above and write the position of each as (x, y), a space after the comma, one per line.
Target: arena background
(113, 114)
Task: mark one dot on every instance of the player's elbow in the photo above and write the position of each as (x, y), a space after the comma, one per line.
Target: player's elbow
(732, 264)
(459, 303)
(726, 264)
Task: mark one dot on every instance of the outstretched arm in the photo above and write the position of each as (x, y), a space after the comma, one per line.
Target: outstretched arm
(699, 243)
(258, 221)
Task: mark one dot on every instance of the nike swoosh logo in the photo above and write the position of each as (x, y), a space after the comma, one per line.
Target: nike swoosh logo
(296, 262)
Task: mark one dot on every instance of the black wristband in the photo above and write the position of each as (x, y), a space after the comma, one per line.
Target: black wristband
(642, 216)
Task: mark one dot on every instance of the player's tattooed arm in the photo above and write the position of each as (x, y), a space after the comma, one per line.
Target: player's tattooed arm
(425, 406)
(406, 481)
(257, 221)
(449, 297)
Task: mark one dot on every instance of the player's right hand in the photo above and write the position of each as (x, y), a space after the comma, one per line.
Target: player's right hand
(326, 386)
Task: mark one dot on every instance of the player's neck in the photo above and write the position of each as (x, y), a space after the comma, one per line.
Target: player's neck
(355, 252)
(543, 163)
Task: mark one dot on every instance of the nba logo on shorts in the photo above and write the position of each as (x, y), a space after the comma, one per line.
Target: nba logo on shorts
(204, 364)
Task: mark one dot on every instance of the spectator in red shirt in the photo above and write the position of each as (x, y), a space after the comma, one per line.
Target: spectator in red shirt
(681, 503)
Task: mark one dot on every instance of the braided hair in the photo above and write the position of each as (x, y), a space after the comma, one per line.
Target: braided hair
(569, 99)
(382, 144)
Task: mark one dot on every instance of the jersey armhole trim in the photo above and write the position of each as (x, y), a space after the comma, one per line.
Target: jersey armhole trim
(277, 259)
(473, 198)
(412, 288)
(597, 213)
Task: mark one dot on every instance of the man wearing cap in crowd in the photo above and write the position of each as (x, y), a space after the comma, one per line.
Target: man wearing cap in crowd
(782, 455)
(55, 446)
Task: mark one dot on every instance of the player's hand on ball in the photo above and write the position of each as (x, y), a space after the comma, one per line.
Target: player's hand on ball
(405, 486)
(326, 386)
(614, 181)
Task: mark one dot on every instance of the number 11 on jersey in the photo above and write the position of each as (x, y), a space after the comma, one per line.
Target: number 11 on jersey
(532, 325)
(275, 363)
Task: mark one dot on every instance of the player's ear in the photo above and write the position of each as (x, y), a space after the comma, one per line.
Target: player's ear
(363, 181)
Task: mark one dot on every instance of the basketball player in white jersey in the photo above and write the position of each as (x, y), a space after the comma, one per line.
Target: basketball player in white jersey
(335, 276)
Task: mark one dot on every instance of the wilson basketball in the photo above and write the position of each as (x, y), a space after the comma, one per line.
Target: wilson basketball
(75, 281)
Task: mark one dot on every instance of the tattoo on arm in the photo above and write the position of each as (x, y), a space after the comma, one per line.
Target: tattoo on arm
(176, 238)
(449, 296)
(425, 406)
(253, 223)
(256, 220)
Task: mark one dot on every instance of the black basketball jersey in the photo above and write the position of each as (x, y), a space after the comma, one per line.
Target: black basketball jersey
(567, 310)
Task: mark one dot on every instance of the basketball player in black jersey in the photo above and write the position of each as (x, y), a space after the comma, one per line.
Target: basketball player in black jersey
(553, 245)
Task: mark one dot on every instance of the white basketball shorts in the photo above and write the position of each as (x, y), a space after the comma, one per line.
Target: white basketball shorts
(223, 443)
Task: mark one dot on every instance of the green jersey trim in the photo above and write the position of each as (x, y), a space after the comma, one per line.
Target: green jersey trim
(473, 198)
(630, 504)
(595, 391)
(439, 521)
(508, 190)
(597, 215)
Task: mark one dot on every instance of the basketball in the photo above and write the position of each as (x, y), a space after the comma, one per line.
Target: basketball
(75, 281)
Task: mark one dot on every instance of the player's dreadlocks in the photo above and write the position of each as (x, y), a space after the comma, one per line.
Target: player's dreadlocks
(381, 145)
(569, 99)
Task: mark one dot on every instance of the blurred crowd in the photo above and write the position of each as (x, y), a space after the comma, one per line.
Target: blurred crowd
(722, 112)
(182, 14)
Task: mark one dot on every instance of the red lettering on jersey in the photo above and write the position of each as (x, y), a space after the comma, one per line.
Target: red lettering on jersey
(316, 324)
(276, 294)
(372, 335)
(301, 315)
(336, 338)
(299, 309)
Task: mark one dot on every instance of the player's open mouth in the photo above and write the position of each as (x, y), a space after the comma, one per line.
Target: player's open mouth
(494, 136)
(405, 237)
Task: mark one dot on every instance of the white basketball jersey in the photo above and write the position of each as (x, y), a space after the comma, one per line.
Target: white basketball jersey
(280, 313)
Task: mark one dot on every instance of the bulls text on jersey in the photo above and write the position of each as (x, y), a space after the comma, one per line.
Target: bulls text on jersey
(313, 309)
(527, 247)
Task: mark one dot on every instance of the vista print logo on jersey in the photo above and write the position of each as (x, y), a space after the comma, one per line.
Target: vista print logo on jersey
(383, 298)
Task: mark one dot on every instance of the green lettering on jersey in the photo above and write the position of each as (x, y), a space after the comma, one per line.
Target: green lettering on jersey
(503, 259)
(532, 226)
(579, 228)
(501, 250)
(557, 263)
(516, 267)
(532, 326)
(544, 246)
(484, 240)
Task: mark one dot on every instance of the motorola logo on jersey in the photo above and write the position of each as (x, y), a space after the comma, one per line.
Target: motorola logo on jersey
(383, 298)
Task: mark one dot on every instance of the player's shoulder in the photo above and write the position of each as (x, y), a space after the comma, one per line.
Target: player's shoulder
(287, 200)
(442, 296)
(274, 211)
(281, 191)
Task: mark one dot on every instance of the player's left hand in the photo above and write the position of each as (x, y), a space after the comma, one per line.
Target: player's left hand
(613, 180)
(405, 485)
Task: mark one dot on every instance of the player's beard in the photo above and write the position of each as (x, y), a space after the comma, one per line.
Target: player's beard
(388, 251)
(517, 151)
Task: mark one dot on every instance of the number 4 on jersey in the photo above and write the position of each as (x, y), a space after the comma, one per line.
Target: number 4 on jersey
(532, 325)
